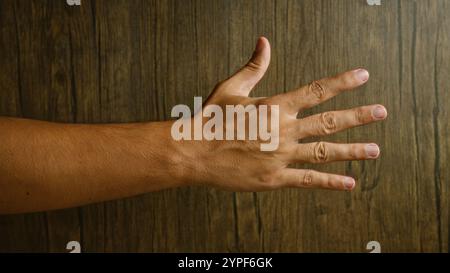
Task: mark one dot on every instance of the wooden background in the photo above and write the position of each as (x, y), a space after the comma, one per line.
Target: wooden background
(123, 61)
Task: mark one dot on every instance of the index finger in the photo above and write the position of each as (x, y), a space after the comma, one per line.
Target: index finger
(321, 90)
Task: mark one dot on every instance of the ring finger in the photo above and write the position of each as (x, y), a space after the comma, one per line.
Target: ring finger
(324, 152)
(332, 122)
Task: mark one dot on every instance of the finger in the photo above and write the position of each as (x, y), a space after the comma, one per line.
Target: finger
(312, 179)
(332, 122)
(321, 90)
(324, 152)
(248, 76)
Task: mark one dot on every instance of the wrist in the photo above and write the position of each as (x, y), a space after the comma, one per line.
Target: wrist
(179, 162)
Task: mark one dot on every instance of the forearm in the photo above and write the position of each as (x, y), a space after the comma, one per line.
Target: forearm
(50, 166)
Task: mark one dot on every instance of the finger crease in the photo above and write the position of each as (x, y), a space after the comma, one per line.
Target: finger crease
(316, 88)
(328, 121)
(307, 179)
(321, 152)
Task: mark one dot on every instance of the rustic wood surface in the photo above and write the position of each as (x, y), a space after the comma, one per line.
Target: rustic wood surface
(132, 60)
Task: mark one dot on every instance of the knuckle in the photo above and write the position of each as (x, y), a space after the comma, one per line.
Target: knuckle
(292, 103)
(359, 116)
(320, 152)
(253, 66)
(267, 106)
(347, 80)
(328, 184)
(268, 181)
(307, 179)
(328, 122)
(353, 151)
(317, 89)
(357, 152)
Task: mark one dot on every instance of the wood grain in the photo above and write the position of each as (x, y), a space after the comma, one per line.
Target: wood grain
(132, 60)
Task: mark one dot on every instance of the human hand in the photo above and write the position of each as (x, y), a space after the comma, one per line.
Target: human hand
(240, 165)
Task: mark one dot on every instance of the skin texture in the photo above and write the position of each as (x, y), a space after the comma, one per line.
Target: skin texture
(45, 166)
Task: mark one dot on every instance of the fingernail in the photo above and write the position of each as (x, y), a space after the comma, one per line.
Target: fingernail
(362, 74)
(372, 150)
(349, 183)
(379, 112)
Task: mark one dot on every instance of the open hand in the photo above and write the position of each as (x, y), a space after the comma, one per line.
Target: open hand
(240, 165)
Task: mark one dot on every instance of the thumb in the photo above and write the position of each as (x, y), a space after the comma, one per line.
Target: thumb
(248, 76)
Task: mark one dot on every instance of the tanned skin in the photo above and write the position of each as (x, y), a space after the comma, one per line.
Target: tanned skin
(47, 166)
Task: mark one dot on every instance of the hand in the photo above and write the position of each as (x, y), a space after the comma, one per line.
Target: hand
(241, 165)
